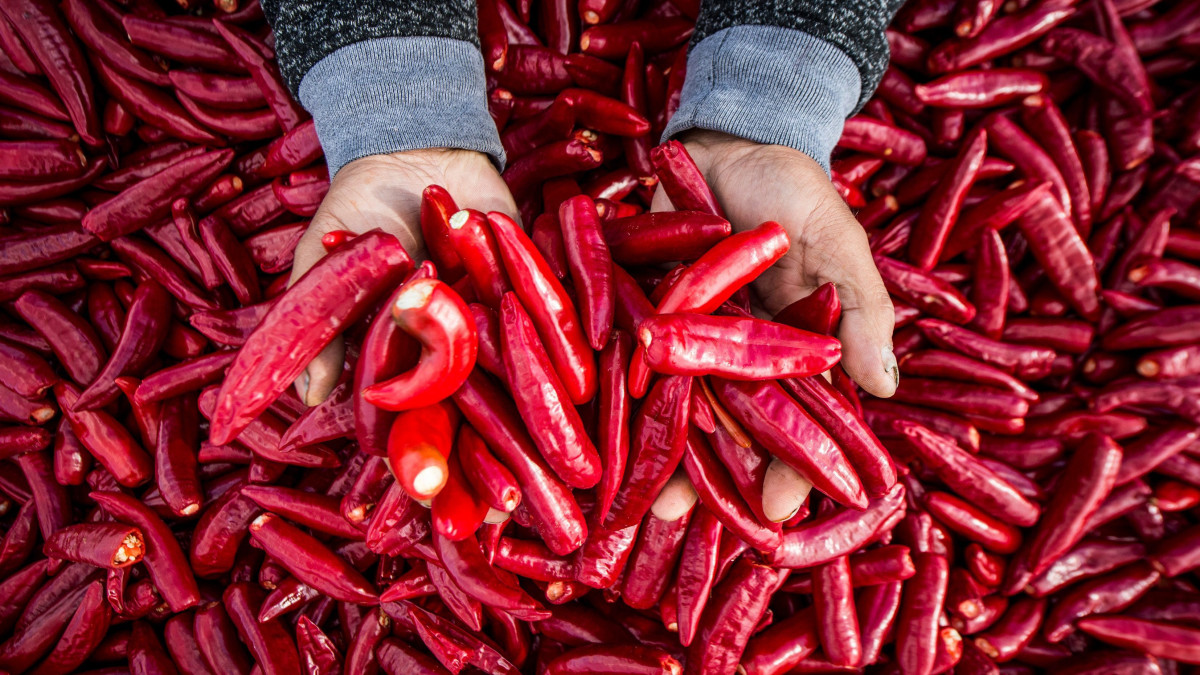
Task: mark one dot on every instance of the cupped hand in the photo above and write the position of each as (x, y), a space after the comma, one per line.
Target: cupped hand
(755, 183)
(384, 192)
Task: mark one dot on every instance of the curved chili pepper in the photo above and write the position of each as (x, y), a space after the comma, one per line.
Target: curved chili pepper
(310, 561)
(337, 291)
(982, 88)
(543, 401)
(782, 645)
(613, 423)
(550, 308)
(164, 560)
(681, 179)
(604, 555)
(475, 247)
(1177, 555)
(882, 565)
(429, 311)
(973, 523)
(838, 533)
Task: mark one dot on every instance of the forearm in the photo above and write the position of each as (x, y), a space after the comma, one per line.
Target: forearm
(384, 76)
(785, 73)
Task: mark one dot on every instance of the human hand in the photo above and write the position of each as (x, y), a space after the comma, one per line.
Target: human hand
(384, 192)
(755, 183)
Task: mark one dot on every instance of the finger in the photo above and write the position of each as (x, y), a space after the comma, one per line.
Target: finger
(784, 491)
(323, 372)
(660, 201)
(495, 516)
(676, 499)
(867, 315)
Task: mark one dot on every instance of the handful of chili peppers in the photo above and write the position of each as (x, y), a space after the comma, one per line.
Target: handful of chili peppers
(479, 489)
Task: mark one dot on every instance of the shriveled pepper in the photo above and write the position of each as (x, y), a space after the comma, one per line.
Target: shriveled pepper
(331, 296)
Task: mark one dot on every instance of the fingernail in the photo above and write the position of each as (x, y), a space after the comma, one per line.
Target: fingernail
(302, 386)
(889, 364)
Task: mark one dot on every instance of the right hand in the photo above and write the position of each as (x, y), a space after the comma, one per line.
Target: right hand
(384, 192)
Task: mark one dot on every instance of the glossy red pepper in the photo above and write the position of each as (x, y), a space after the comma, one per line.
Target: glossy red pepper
(550, 308)
(838, 533)
(429, 311)
(543, 401)
(457, 509)
(549, 502)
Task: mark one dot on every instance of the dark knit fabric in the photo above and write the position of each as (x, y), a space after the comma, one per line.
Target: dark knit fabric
(307, 31)
(854, 26)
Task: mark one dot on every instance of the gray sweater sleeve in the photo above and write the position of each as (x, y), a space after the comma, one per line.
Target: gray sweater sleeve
(783, 72)
(382, 76)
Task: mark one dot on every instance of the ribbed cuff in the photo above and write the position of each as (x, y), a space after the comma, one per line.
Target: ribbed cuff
(400, 93)
(769, 84)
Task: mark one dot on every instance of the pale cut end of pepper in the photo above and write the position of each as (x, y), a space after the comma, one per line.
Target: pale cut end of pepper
(672, 667)
(190, 509)
(429, 479)
(459, 219)
(416, 295)
(646, 337)
(260, 521)
(591, 17)
(1147, 368)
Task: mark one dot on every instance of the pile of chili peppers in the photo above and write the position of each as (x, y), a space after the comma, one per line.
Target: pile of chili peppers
(1028, 174)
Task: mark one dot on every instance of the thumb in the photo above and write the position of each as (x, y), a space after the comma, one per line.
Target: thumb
(320, 377)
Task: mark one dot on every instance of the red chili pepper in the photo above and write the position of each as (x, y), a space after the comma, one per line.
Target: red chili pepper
(164, 560)
(108, 545)
(217, 90)
(143, 334)
(655, 237)
(740, 601)
(719, 495)
(659, 438)
(288, 111)
(791, 434)
(1001, 36)
(613, 40)
(881, 139)
(712, 279)
(434, 315)
(268, 641)
(55, 50)
(839, 533)
(311, 562)
(917, 628)
(543, 401)
(982, 88)
(490, 479)
(549, 502)
(349, 281)
(550, 308)
(591, 266)
(683, 344)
